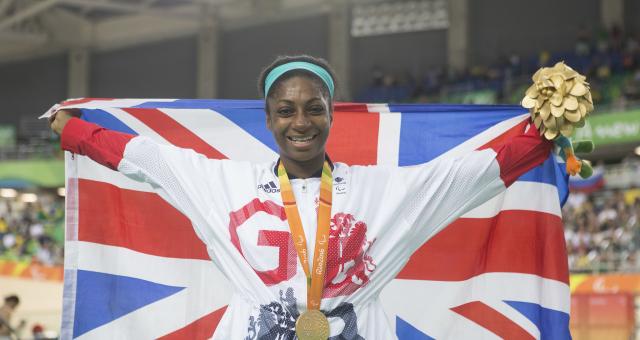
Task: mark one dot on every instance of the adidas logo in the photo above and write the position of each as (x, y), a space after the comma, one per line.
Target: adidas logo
(269, 187)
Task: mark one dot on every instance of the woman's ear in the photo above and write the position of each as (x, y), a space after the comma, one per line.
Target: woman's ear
(267, 113)
(331, 113)
(268, 118)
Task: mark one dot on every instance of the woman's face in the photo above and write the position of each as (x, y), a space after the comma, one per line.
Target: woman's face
(299, 115)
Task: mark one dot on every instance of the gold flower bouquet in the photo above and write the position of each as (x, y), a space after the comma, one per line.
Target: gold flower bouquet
(559, 101)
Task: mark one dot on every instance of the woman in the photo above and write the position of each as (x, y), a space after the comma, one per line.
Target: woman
(332, 262)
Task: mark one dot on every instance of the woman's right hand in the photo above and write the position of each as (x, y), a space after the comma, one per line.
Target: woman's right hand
(59, 120)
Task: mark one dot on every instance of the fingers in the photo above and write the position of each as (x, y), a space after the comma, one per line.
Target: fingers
(58, 120)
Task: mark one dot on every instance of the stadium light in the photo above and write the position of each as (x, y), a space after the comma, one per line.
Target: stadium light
(62, 191)
(8, 193)
(28, 198)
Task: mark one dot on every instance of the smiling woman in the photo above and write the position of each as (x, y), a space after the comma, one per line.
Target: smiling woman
(342, 232)
(299, 94)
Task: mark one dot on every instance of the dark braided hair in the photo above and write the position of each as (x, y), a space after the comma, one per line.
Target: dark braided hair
(287, 59)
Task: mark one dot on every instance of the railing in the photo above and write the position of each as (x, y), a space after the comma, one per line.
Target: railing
(618, 262)
(621, 176)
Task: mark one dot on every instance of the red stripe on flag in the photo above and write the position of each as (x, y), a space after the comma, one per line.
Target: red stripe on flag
(513, 241)
(516, 130)
(139, 221)
(354, 138)
(350, 107)
(202, 328)
(83, 100)
(174, 132)
(492, 320)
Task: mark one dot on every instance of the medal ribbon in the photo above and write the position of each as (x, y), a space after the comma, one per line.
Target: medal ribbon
(315, 278)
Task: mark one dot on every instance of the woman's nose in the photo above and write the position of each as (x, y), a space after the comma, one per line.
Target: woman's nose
(300, 120)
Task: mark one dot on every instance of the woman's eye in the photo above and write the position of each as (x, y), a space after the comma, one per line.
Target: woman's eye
(316, 109)
(285, 111)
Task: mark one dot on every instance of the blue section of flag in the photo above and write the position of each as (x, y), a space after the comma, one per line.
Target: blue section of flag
(252, 121)
(552, 324)
(102, 298)
(405, 331)
(214, 104)
(106, 120)
(427, 131)
(550, 172)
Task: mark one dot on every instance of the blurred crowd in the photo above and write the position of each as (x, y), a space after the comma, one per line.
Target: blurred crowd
(610, 60)
(32, 231)
(9, 329)
(602, 231)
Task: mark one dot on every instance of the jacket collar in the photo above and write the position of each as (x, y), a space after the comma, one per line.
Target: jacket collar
(318, 174)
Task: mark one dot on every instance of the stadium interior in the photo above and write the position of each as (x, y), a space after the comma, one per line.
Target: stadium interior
(384, 51)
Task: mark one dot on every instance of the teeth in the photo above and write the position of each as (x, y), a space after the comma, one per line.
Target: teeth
(301, 139)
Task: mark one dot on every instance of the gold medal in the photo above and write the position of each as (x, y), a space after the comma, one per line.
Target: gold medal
(312, 325)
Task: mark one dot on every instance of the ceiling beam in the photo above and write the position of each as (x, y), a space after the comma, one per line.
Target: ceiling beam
(23, 37)
(66, 28)
(27, 13)
(92, 4)
(4, 6)
(128, 30)
(148, 3)
(132, 9)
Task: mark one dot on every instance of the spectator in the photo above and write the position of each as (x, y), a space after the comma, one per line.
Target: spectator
(11, 302)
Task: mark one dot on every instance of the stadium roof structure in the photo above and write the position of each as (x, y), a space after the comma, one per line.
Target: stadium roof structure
(30, 28)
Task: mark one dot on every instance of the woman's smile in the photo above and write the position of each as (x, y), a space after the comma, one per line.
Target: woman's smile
(302, 141)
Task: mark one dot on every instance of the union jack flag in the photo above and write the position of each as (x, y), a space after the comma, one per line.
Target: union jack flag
(135, 269)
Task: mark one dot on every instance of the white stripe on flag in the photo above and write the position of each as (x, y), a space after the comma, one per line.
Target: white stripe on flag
(521, 195)
(71, 253)
(223, 134)
(88, 169)
(113, 103)
(381, 108)
(389, 138)
(126, 262)
(484, 137)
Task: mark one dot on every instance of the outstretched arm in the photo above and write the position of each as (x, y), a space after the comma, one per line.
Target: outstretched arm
(441, 191)
(176, 174)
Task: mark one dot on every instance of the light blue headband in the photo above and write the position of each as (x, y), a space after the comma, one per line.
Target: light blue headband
(298, 65)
